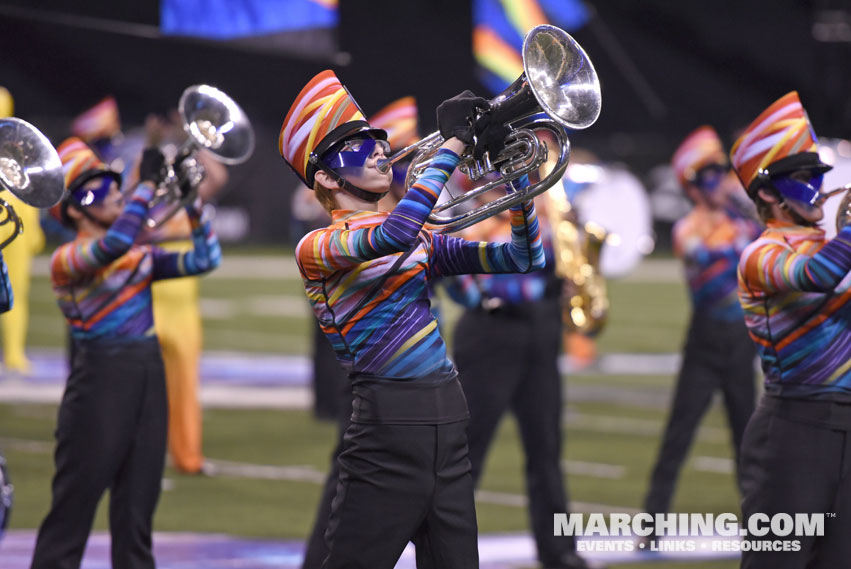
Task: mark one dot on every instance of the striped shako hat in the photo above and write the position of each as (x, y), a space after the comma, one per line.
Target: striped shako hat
(781, 133)
(399, 120)
(100, 121)
(700, 148)
(80, 163)
(322, 114)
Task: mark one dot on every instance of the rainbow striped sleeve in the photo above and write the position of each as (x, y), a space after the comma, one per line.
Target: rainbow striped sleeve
(206, 255)
(72, 263)
(323, 251)
(524, 253)
(6, 296)
(772, 266)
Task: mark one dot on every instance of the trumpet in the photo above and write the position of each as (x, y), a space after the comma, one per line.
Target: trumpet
(29, 168)
(558, 89)
(213, 122)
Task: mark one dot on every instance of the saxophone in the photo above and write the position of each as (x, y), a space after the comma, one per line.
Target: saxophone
(585, 303)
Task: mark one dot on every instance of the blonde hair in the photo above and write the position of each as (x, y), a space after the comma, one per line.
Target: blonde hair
(325, 196)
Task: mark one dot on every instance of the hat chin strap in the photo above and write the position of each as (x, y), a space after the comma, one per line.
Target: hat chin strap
(87, 214)
(350, 188)
(789, 209)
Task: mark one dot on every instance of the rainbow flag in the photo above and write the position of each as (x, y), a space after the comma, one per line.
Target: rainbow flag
(499, 27)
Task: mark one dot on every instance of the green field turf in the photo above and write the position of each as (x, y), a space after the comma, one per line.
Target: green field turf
(622, 435)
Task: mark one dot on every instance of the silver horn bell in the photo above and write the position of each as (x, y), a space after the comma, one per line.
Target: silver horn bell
(29, 168)
(558, 89)
(213, 122)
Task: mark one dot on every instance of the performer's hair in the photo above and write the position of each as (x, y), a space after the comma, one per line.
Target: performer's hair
(326, 197)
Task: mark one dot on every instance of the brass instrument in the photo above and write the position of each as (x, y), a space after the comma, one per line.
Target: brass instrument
(213, 122)
(843, 212)
(558, 88)
(29, 168)
(585, 302)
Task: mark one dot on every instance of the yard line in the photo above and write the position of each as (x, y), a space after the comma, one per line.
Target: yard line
(714, 464)
(521, 501)
(26, 445)
(594, 469)
(634, 426)
(231, 469)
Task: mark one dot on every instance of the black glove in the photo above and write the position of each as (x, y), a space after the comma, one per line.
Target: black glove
(490, 138)
(455, 116)
(190, 174)
(152, 166)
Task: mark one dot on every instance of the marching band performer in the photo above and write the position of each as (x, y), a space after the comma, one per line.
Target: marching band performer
(177, 314)
(111, 427)
(404, 471)
(717, 354)
(332, 387)
(793, 287)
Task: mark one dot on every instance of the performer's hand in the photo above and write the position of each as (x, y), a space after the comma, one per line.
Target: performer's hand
(490, 138)
(456, 116)
(190, 173)
(152, 166)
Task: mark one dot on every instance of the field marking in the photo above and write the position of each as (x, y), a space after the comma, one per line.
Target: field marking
(594, 469)
(714, 464)
(231, 469)
(272, 306)
(635, 426)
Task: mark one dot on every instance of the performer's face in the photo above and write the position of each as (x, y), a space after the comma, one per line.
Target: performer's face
(710, 182)
(357, 162)
(110, 207)
(801, 190)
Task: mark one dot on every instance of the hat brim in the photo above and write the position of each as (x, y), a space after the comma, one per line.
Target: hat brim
(787, 165)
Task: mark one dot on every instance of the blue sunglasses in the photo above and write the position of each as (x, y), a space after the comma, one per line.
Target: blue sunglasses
(91, 194)
(354, 152)
(807, 191)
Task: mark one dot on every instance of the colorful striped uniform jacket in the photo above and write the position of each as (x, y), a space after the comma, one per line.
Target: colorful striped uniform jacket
(710, 242)
(394, 334)
(103, 286)
(794, 289)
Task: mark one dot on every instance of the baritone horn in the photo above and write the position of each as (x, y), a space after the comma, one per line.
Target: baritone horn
(213, 122)
(558, 89)
(29, 168)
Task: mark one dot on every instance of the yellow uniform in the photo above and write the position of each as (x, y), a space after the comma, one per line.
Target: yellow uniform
(177, 320)
(18, 255)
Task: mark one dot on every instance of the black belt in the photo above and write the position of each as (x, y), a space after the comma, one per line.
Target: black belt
(99, 349)
(822, 413)
(389, 401)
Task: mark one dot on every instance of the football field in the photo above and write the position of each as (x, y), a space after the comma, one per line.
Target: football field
(271, 460)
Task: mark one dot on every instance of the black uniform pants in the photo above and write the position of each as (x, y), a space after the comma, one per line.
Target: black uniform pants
(796, 458)
(402, 474)
(401, 483)
(718, 356)
(508, 360)
(110, 434)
